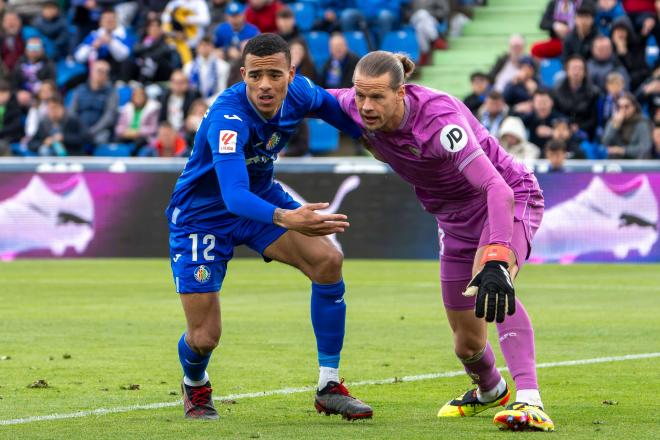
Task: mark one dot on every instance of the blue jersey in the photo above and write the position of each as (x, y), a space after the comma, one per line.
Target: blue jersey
(234, 138)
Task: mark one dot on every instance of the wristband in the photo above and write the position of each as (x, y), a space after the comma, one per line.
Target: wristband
(495, 252)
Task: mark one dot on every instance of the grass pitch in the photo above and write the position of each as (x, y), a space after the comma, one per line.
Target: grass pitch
(94, 328)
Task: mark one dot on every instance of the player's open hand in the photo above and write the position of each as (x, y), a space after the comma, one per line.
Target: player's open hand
(308, 221)
(494, 290)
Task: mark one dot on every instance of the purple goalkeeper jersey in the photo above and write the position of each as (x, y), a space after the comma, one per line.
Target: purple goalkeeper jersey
(452, 161)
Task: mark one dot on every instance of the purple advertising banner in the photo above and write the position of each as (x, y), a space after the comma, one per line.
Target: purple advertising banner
(608, 217)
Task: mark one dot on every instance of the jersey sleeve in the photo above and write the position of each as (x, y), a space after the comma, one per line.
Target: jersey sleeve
(227, 137)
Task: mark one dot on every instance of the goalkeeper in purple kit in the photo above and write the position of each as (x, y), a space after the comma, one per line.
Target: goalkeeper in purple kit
(487, 207)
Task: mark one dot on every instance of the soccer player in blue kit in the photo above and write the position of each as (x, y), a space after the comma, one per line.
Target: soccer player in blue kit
(226, 197)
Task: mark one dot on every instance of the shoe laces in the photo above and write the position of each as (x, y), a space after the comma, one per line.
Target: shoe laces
(340, 389)
(200, 396)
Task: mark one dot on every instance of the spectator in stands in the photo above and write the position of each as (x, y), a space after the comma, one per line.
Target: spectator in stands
(580, 39)
(176, 101)
(37, 111)
(235, 30)
(603, 62)
(11, 128)
(217, 12)
(195, 115)
(110, 42)
(480, 85)
(3, 8)
(615, 86)
(59, 133)
(154, 59)
(262, 14)
(329, 13)
(207, 73)
(655, 151)
(630, 52)
(168, 143)
(539, 121)
(377, 16)
(493, 112)
(27, 9)
(425, 16)
(96, 103)
(555, 152)
(577, 97)
(606, 12)
(562, 131)
(33, 68)
(12, 45)
(628, 132)
(338, 70)
(302, 59)
(51, 24)
(286, 24)
(138, 119)
(507, 65)
(558, 19)
(188, 18)
(648, 95)
(642, 13)
(519, 91)
(514, 140)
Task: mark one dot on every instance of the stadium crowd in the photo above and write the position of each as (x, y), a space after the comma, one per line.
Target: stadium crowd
(592, 90)
(80, 76)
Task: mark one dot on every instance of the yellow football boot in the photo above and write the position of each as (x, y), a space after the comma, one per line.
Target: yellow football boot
(521, 416)
(467, 405)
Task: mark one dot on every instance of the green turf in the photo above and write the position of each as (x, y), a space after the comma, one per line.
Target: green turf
(119, 322)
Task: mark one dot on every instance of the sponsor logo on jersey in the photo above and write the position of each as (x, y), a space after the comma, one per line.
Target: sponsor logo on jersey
(227, 141)
(414, 150)
(273, 141)
(453, 138)
(202, 274)
(233, 117)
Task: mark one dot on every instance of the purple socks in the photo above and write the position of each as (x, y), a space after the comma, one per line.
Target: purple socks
(517, 344)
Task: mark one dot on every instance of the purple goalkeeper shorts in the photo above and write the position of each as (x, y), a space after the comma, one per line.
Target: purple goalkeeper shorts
(462, 233)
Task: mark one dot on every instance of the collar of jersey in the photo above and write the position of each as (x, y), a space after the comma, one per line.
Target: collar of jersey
(254, 109)
(406, 112)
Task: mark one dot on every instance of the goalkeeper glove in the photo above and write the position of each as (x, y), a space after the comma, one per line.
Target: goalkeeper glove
(493, 286)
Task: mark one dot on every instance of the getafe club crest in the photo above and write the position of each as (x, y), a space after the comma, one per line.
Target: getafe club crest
(202, 274)
(273, 141)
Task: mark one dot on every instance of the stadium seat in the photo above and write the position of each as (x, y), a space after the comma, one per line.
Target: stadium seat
(65, 70)
(652, 51)
(305, 13)
(357, 43)
(317, 41)
(114, 150)
(402, 41)
(323, 137)
(125, 92)
(549, 68)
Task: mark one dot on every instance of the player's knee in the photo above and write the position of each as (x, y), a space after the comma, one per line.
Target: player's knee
(204, 341)
(467, 345)
(329, 269)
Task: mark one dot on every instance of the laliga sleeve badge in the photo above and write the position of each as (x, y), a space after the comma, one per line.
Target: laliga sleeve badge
(227, 141)
(202, 274)
(453, 138)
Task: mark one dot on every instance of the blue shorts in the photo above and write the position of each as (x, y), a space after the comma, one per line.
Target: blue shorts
(199, 255)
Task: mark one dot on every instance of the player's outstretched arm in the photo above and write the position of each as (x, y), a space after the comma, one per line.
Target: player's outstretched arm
(308, 221)
(327, 108)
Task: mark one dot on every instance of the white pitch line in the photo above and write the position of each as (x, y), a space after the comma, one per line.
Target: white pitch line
(285, 391)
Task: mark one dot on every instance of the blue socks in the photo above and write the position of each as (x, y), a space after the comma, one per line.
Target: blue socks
(193, 363)
(328, 319)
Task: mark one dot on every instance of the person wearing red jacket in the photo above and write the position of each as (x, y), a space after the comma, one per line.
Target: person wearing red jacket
(263, 14)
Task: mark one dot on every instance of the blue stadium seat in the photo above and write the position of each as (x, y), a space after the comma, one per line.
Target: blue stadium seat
(402, 41)
(323, 137)
(114, 150)
(317, 41)
(549, 68)
(65, 70)
(652, 51)
(305, 13)
(125, 93)
(357, 42)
